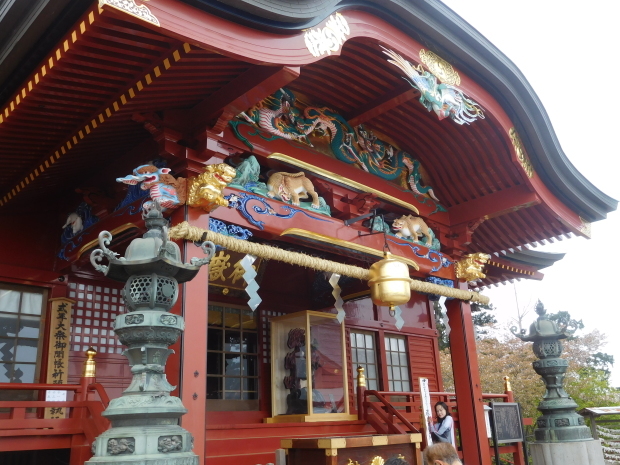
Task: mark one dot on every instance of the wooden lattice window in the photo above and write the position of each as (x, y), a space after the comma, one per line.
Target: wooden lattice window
(94, 312)
(364, 354)
(232, 356)
(397, 363)
(21, 308)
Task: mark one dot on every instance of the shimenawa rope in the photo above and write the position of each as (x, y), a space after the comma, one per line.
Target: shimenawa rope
(191, 233)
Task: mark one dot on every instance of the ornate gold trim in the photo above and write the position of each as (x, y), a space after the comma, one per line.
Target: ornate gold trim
(585, 228)
(344, 244)
(510, 268)
(379, 440)
(522, 157)
(129, 6)
(332, 443)
(377, 460)
(341, 179)
(440, 68)
(114, 232)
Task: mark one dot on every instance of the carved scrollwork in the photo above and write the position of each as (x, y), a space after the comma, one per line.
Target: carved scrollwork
(103, 252)
(129, 6)
(134, 319)
(208, 248)
(168, 319)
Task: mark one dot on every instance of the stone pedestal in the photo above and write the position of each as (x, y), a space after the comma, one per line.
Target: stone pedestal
(567, 453)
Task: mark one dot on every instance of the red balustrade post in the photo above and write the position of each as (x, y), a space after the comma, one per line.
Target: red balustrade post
(80, 447)
(361, 393)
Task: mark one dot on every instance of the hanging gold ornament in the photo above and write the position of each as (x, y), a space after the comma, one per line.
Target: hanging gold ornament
(390, 284)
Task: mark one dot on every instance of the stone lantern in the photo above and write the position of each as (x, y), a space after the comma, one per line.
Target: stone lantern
(145, 419)
(561, 435)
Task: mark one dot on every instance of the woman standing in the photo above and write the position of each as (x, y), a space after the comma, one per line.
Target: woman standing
(443, 429)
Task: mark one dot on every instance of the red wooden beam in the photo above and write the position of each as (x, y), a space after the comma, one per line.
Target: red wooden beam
(239, 95)
(381, 105)
(492, 205)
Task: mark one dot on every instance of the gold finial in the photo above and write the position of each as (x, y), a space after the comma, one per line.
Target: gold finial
(361, 379)
(89, 364)
(507, 386)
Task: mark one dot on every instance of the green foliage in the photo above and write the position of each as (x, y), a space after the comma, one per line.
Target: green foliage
(602, 361)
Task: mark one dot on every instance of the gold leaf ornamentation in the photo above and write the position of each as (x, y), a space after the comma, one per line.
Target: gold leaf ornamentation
(470, 268)
(377, 461)
(129, 6)
(440, 68)
(522, 157)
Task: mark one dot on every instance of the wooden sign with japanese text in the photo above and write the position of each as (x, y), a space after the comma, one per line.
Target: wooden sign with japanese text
(225, 270)
(427, 410)
(58, 349)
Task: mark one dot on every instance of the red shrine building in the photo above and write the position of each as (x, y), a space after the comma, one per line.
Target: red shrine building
(331, 132)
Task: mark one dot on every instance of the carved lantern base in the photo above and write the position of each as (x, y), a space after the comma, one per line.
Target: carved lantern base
(145, 418)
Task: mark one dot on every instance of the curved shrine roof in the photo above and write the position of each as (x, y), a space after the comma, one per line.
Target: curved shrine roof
(78, 107)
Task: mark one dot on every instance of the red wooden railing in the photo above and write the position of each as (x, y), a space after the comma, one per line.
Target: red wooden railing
(23, 425)
(400, 412)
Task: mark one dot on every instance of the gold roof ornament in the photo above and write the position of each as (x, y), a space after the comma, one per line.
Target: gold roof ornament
(206, 191)
(470, 268)
(522, 157)
(440, 68)
(390, 284)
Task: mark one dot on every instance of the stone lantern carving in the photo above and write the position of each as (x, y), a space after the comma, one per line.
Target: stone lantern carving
(561, 434)
(145, 419)
(559, 422)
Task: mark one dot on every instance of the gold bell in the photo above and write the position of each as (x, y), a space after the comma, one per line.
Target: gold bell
(390, 284)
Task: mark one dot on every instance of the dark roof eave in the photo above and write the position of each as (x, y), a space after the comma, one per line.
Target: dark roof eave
(534, 258)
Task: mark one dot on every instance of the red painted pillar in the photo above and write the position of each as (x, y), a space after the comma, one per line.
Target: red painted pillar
(467, 384)
(194, 343)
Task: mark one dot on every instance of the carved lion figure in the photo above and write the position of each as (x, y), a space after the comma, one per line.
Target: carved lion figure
(413, 227)
(470, 267)
(205, 191)
(292, 186)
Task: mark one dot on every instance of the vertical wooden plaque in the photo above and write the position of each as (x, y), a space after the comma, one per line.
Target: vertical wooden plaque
(427, 409)
(58, 352)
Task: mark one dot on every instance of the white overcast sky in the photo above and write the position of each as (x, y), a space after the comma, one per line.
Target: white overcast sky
(568, 51)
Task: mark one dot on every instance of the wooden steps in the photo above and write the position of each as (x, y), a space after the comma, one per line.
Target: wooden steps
(252, 444)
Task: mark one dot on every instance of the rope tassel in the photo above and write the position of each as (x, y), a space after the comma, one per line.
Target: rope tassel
(191, 233)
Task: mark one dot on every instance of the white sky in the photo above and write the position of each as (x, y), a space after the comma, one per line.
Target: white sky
(568, 51)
